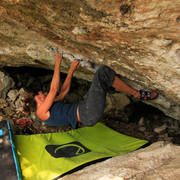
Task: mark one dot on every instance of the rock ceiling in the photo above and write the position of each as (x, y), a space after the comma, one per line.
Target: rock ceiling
(138, 39)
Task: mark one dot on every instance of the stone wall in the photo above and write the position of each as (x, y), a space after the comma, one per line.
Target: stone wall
(139, 39)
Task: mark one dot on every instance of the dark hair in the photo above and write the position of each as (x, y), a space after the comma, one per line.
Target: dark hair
(29, 103)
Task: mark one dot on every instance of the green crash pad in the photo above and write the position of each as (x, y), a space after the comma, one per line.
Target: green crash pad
(47, 156)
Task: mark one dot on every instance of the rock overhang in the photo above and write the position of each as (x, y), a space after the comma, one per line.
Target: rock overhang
(139, 40)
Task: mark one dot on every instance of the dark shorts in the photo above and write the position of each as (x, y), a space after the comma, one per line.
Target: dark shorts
(92, 108)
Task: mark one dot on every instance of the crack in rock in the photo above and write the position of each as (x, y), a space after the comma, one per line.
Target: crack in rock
(84, 63)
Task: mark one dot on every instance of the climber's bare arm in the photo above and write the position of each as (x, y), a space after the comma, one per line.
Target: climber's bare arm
(43, 109)
(67, 83)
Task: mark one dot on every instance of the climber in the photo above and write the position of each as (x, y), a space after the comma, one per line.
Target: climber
(52, 110)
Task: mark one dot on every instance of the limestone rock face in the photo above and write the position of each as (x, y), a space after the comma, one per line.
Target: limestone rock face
(138, 39)
(157, 161)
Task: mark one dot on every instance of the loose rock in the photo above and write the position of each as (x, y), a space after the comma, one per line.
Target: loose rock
(160, 129)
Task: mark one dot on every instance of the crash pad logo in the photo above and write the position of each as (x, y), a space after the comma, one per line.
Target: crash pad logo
(72, 149)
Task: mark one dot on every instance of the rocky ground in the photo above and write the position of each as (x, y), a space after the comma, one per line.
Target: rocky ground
(135, 119)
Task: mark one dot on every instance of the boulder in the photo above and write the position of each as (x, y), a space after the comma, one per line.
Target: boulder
(138, 39)
(13, 94)
(157, 161)
(6, 83)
